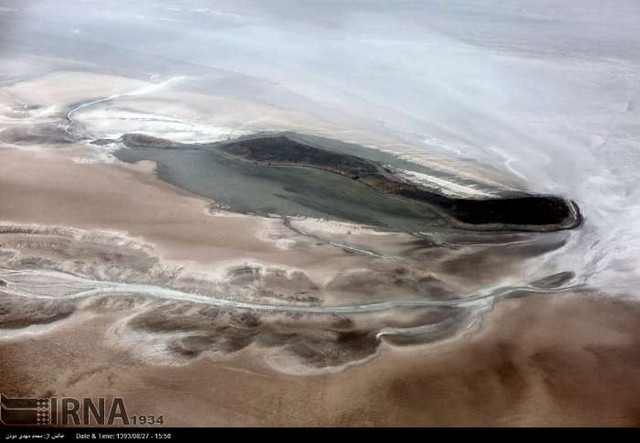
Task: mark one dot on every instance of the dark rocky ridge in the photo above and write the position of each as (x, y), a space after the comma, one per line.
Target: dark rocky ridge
(518, 212)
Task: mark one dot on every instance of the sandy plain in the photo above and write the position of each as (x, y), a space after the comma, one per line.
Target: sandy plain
(566, 361)
(536, 359)
(543, 356)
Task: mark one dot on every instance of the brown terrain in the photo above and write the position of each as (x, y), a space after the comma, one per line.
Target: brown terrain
(569, 358)
(566, 361)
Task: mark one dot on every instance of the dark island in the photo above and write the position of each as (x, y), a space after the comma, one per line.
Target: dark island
(516, 211)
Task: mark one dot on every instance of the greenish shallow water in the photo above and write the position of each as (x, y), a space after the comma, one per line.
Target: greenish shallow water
(260, 189)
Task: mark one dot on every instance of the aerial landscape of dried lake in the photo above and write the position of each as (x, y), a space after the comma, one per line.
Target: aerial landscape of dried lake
(321, 213)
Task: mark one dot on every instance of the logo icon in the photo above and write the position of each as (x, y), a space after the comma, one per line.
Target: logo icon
(25, 411)
(69, 411)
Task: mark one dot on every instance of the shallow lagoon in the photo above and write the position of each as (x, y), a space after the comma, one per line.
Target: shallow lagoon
(290, 191)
